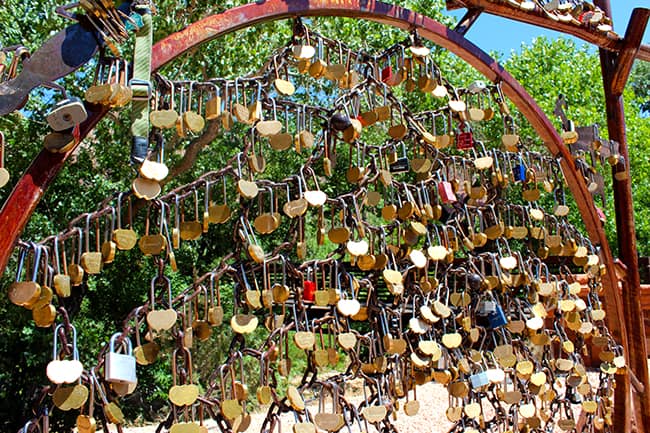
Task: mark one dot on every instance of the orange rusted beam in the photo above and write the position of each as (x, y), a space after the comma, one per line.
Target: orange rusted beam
(608, 41)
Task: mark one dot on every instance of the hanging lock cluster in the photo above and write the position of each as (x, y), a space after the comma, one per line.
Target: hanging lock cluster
(438, 256)
(580, 13)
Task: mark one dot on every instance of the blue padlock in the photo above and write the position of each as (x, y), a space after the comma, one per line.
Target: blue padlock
(490, 309)
(134, 22)
(479, 379)
(497, 317)
(519, 172)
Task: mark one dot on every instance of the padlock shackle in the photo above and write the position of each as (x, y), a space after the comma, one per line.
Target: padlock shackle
(126, 342)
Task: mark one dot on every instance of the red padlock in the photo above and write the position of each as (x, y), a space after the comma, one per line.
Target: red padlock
(585, 16)
(363, 122)
(465, 138)
(446, 192)
(601, 215)
(387, 74)
(309, 291)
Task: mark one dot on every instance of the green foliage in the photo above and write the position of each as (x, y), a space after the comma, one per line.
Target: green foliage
(638, 134)
(100, 168)
(640, 84)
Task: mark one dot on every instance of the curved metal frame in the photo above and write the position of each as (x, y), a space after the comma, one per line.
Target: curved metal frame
(30, 188)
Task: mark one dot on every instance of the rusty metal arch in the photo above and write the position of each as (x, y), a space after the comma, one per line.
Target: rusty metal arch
(28, 191)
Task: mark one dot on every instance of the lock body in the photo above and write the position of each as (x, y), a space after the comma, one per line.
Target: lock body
(491, 314)
(120, 367)
(401, 165)
(66, 114)
(479, 379)
(519, 172)
(309, 293)
(497, 318)
(387, 74)
(464, 138)
(446, 192)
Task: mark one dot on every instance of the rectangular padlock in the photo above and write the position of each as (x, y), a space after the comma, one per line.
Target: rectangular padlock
(309, 291)
(464, 140)
(486, 307)
(446, 192)
(519, 172)
(497, 318)
(66, 114)
(400, 166)
(476, 87)
(479, 379)
(387, 74)
(589, 136)
(120, 367)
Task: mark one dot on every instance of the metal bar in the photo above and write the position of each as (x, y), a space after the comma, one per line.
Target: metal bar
(538, 18)
(468, 20)
(629, 51)
(29, 189)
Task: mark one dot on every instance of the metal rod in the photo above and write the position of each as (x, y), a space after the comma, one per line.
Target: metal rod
(468, 20)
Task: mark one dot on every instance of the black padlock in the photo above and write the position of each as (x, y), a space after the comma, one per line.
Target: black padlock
(401, 164)
(340, 122)
(139, 150)
(573, 396)
(474, 281)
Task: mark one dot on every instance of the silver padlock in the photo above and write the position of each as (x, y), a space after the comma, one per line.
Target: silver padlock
(486, 307)
(120, 367)
(476, 87)
(66, 114)
(479, 379)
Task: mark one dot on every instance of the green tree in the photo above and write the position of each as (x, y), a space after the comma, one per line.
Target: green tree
(640, 84)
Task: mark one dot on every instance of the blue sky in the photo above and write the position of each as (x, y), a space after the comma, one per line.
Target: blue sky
(511, 34)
